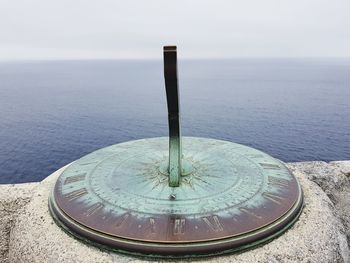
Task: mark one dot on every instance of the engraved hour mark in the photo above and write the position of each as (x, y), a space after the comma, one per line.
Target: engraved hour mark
(278, 181)
(272, 197)
(244, 210)
(76, 194)
(179, 226)
(255, 155)
(74, 178)
(122, 220)
(270, 166)
(94, 208)
(152, 222)
(88, 163)
(213, 223)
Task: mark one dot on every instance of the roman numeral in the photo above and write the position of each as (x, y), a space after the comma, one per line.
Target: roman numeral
(74, 178)
(272, 197)
(278, 181)
(76, 194)
(152, 223)
(213, 223)
(244, 210)
(179, 226)
(122, 220)
(94, 209)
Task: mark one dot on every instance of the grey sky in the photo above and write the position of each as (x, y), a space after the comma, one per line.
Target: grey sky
(74, 29)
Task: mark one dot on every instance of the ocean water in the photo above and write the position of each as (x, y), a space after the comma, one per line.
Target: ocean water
(55, 112)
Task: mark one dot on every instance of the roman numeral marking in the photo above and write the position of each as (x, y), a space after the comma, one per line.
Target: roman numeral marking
(270, 166)
(244, 210)
(74, 178)
(76, 194)
(272, 197)
(94, 209)
(213, 223)
(122, 220)
(278, 181)
(152, 223)
(179, 226)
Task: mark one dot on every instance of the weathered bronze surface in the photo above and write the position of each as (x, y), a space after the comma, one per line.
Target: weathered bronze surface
(176, 197)
(172, 92)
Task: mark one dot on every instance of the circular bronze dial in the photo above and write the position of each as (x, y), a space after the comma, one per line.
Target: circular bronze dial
(231, 197)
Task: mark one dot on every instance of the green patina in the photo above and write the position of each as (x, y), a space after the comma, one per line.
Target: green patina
(176, 196)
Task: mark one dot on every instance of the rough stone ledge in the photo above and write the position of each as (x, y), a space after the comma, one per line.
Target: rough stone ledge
(13, 197)
(334, 179)
(320, 235)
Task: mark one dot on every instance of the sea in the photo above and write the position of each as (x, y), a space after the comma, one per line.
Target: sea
(54, 112)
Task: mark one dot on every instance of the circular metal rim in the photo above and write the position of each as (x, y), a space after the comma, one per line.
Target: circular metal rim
(185, 250)
(178, 250)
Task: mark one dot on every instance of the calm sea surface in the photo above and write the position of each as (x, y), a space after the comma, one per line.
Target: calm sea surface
(55, 112)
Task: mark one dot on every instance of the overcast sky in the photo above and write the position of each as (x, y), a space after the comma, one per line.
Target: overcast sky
(83, 29)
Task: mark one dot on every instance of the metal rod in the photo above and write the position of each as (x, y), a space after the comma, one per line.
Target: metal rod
(172, 94)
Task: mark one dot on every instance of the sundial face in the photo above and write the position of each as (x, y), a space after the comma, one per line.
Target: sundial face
(120, 194)
(176, 197)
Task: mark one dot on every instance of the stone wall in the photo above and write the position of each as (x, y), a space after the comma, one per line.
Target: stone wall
(334, 180)
(13, 197)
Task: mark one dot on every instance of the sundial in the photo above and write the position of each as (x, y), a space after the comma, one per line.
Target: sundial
(176, 196)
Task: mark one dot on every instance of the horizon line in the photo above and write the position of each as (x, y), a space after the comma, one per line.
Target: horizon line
(181, 58)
